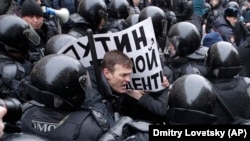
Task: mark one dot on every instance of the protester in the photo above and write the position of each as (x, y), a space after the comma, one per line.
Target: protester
(116, 70)
(33, 14)
(202, 74)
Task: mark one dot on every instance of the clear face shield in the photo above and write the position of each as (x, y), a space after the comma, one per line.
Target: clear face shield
(32, 35)
(86, 85)
(164, 23)
(45, 97)
(171, 46)
(104, 18)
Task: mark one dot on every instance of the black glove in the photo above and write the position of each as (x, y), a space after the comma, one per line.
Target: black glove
(34, 56)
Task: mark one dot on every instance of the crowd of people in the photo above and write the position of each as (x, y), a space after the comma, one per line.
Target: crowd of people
(204, 47)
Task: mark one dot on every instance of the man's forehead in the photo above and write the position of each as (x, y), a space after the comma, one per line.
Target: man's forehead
(121, 67)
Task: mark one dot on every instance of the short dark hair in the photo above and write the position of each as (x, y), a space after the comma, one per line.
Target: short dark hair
(114, 57)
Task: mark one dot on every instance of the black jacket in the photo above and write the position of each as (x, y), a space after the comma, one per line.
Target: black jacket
(114, 103)
(233, 91)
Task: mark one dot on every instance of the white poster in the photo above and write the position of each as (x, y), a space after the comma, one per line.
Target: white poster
(138, 42)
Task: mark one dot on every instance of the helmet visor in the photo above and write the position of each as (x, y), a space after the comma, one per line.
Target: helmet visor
(85, 83)
(172, 44)
(32, 35)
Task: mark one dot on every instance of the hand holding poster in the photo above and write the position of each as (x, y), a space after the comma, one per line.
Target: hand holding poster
(138, 42)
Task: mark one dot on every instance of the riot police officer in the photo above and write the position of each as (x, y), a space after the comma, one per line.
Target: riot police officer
(118, 12)
(223, 64)
(159, 23)
(57, 42)
(15, 36)
(58, 97)
(184, 52)
(191, 100)
(91, 14)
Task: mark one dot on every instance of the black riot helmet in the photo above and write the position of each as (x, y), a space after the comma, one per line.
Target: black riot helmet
(185, 37)
(192, 92)
(233, 4)
(158, 18)
(171, 18)
(16, 34)
(93, 11)
(118, 9)
(55, 43)
(63, 87)
(132, 19)
(223, 60)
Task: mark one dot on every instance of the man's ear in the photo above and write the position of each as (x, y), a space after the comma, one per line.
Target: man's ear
(106, 73)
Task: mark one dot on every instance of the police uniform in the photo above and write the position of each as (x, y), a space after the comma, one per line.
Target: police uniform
(56, 111)
(86, 125)
(234, 93)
